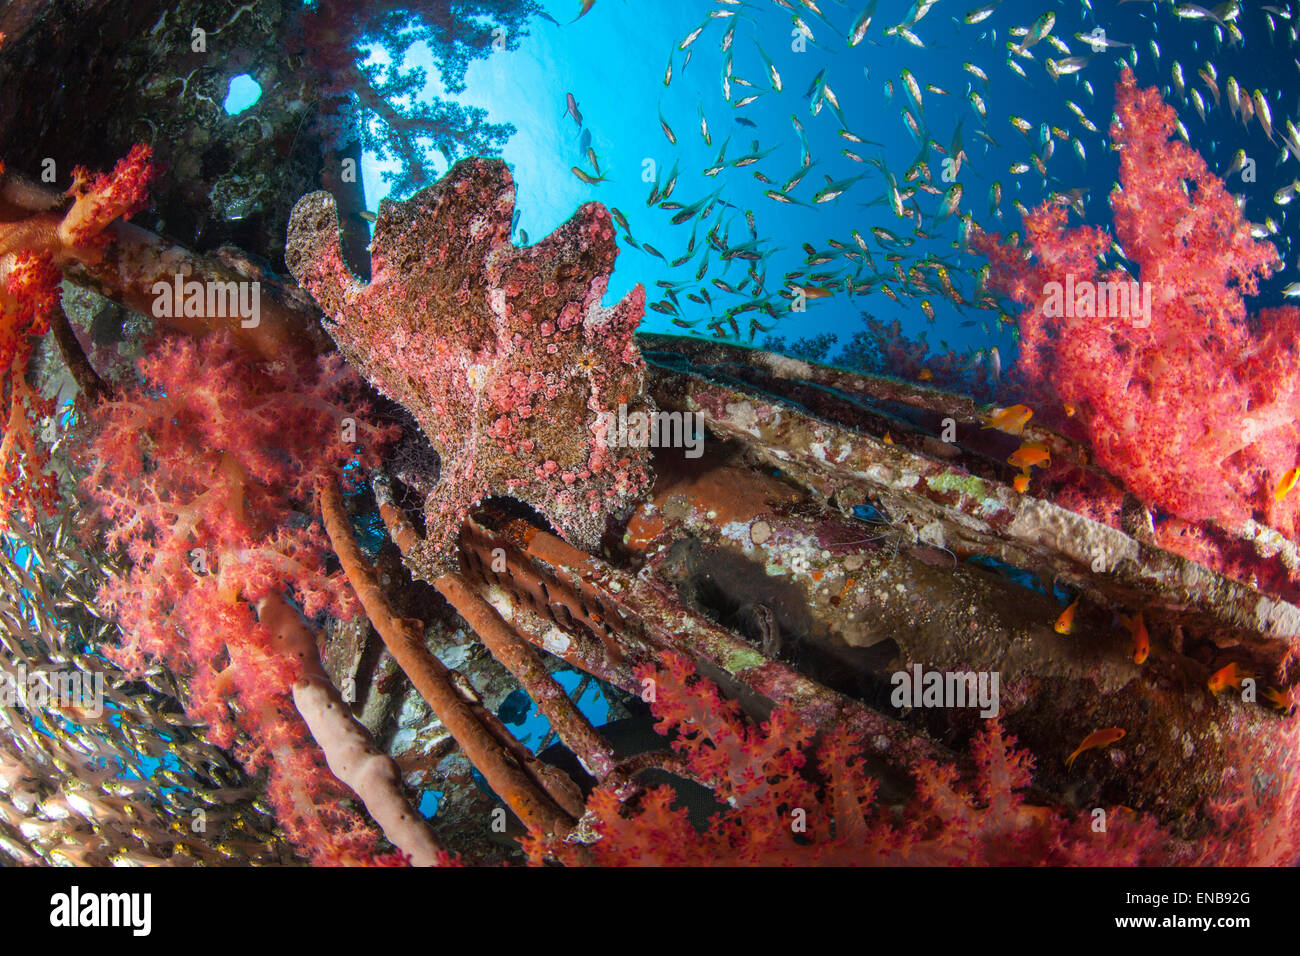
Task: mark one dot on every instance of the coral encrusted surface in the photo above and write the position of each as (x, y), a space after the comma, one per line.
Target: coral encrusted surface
(504, 355)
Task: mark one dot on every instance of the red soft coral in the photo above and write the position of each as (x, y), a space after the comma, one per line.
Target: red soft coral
(784, 808)
(101, 200)
(1189, 406)
(203, 473)
(27, 489)
(32, 252)
(781, 811)
(29, 289)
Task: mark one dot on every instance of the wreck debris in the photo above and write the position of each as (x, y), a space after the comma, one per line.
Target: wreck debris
(856, 603)
(530, 789)
(642, 617)
(946, 504)
(572, 727)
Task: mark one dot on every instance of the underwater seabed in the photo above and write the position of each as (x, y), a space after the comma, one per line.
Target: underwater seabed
(369, 553)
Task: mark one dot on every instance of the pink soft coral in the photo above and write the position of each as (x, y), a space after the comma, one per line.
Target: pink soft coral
(1192, 409)
(782, 812)
(203, 473)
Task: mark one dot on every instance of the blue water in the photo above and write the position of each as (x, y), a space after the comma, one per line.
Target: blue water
(613, 62)
(242, 92)
(531, 727)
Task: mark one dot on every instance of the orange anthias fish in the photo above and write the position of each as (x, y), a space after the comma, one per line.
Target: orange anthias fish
(1021, 482)
(1065, 623)
(1141, 640)
(1030, 455)
(1285, 699)
(926, 375)
(1287, 483)
(813, 291)
(1225, 677)
(1098, 738)
(1010, 420)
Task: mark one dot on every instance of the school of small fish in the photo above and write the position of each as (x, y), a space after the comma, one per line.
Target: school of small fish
(730, 281)
(903, 213)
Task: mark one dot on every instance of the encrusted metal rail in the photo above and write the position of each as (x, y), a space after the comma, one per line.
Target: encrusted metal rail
(952, 500)
(608, 622)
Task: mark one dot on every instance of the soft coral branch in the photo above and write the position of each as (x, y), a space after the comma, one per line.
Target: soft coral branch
(1194, 410)
(200, 473)
(793, 799)
(33, 250)
(104, 199)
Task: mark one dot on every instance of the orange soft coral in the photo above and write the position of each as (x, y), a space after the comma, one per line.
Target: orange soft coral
(103, 199)
(32, 252)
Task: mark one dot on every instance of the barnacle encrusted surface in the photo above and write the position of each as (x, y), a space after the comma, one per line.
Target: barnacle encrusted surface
(504, 355)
